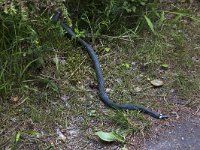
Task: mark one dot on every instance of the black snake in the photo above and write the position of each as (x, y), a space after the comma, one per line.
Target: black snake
(100, 79)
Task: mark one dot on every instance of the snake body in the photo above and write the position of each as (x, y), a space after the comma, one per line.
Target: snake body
(100, 79)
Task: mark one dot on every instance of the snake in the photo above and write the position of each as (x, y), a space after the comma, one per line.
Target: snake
(99, 74)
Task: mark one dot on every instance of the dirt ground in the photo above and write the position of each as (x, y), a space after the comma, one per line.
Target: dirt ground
(69, 121)
(180, 135)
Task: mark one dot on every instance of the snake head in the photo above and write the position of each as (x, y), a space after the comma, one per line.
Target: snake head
(163, 116)
(56, 16)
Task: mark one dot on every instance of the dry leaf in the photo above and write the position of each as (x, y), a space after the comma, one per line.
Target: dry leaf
(14, 99)
(157, 83)
(61, 136)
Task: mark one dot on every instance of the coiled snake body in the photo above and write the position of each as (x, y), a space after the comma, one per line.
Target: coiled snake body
(100, 79)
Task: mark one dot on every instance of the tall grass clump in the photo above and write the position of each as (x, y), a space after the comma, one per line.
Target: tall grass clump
(20, 44)
(24, 27)
(109, 16)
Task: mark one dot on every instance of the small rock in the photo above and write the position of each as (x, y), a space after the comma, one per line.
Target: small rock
(108, 90)
(138, 89)
(65, 98)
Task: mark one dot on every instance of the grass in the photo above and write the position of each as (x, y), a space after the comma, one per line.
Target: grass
(55, 86)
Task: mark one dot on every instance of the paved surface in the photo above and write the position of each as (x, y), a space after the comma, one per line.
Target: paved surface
(183, 136)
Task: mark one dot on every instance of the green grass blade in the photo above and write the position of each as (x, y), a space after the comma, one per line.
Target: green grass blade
(150, 24)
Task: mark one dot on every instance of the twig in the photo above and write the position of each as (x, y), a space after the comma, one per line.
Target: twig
(77, 68)
(21, 102)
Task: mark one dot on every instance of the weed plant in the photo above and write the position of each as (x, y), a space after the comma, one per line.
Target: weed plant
(22, 33)
(25, 25)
